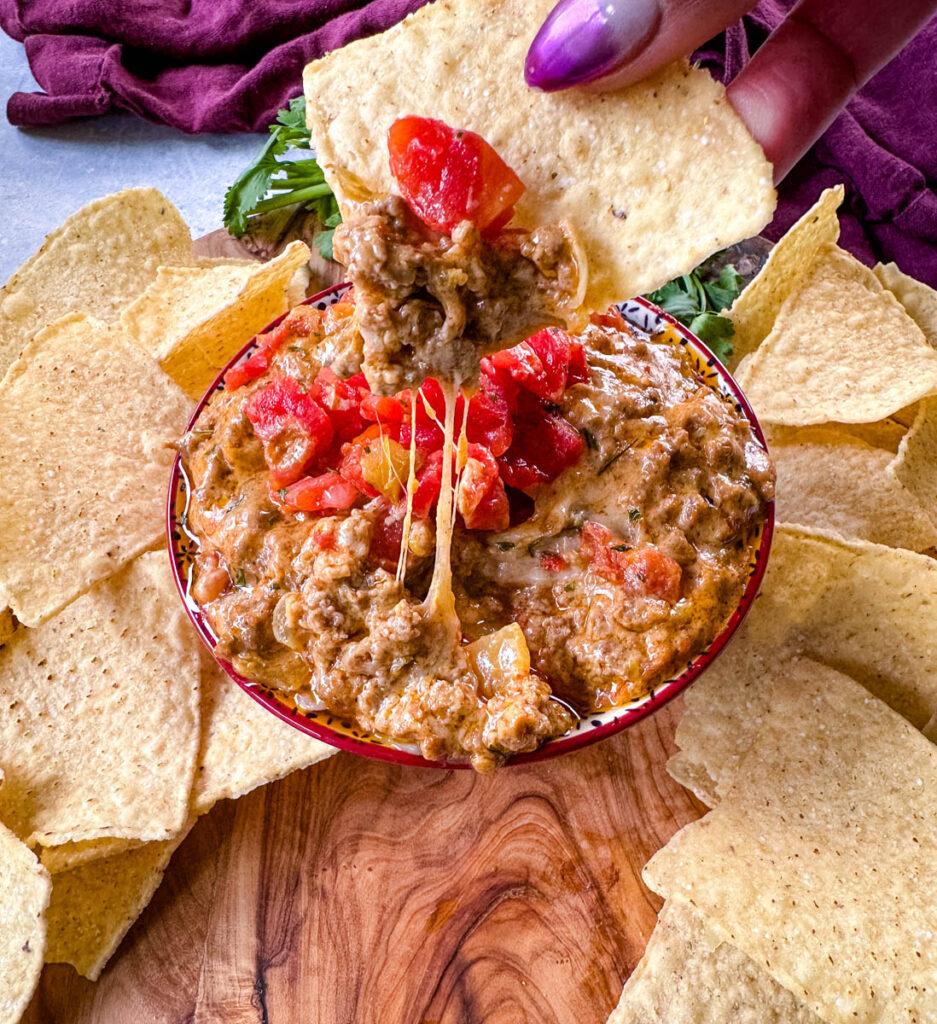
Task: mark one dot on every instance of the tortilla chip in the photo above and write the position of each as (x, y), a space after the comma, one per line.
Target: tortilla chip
(820, 861)
(842, 348)
(99, 714)
(7, 625)
(689, 976)
(100, 259)
(93, 906)
(864, 609)
(193, 320)
(24, 896)
(788, 268)
(243, 745)
(651, 179)
(832, 481)
(918, 299)
(887, 434)
(915, 466)
(84, 467)
(930, 730)
(68, 856)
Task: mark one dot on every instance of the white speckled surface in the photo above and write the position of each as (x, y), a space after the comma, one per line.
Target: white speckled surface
(47, 173)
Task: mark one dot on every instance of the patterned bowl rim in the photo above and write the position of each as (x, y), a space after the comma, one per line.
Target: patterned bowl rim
(587, 730)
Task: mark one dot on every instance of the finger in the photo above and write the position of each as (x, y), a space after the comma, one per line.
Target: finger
(818, 57)
(615, 42)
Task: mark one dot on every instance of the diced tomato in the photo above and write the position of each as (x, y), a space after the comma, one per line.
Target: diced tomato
(429, 421)
(324, 493)
(578, 370)
(483, 501)
(351, 470)
(552, 562)
(612, 318)
(387, 536)
(489, 417)
(429, 484)
(303, 321)
(342, 400)
(293, 428)
(384, 408)
(543, 446)
(447, 176)
(539, 364)
(644, 569)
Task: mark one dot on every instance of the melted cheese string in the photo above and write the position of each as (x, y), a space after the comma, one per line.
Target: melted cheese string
(411, 491)
(440, 600)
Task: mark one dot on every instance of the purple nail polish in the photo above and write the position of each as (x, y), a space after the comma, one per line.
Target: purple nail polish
(582, 40)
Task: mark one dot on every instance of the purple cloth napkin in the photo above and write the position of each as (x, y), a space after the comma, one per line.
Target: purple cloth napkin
(198, 65)
(229, 65)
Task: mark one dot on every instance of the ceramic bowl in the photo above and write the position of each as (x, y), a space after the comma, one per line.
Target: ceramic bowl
(346, 735)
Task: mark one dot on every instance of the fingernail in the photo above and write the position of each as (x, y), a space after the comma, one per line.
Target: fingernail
(582, 40)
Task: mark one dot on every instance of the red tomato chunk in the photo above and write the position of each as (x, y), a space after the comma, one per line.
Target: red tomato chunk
(448, 176)
(293, 428)
(643, 569)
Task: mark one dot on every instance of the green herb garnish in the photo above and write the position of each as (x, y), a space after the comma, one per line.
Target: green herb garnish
(697, 304)
(270, 183)
(634, 514)
(589, 438)
(240, 580)
(281, 494)
(621, 547)
(608, 463)
(505, 545)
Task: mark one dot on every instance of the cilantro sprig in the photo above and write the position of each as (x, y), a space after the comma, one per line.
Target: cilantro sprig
(697, 302)
(280, 176)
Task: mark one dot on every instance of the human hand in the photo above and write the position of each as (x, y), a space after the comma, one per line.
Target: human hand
(787, 94)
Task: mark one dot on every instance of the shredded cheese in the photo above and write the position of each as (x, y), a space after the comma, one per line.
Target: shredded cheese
(411, 490)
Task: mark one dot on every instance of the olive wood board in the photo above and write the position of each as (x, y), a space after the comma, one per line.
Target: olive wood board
(359, 892)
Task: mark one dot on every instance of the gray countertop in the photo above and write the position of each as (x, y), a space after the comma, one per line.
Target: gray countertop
(48, 173)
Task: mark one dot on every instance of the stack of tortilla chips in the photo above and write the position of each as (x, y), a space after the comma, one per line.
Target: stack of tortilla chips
(809, 892)
(116, 729)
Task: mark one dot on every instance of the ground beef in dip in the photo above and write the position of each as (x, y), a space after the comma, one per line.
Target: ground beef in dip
(429, 303)
(613, 502)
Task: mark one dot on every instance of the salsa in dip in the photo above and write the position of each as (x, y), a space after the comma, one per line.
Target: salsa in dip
(605, 511)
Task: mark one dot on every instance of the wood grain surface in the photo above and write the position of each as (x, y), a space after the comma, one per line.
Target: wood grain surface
(357, 892)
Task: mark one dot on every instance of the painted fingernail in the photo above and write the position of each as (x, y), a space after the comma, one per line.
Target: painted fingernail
(582, 40)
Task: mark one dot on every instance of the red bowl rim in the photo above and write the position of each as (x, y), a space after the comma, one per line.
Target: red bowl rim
(554, 748)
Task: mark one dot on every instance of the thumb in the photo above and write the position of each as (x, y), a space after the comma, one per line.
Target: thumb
(617, 42)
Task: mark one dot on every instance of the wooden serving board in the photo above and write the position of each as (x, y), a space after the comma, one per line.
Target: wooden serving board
(356, 892)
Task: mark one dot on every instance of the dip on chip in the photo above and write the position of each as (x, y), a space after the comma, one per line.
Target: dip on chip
(650, 179)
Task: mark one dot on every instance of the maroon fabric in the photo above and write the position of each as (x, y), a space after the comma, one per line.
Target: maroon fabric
(229, 65)
(198, 65)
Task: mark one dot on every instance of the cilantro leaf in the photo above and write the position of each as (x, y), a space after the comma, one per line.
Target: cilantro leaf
(722, 292)
(270, 182)
(715, 332)
(696, 303)
(674, 300)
